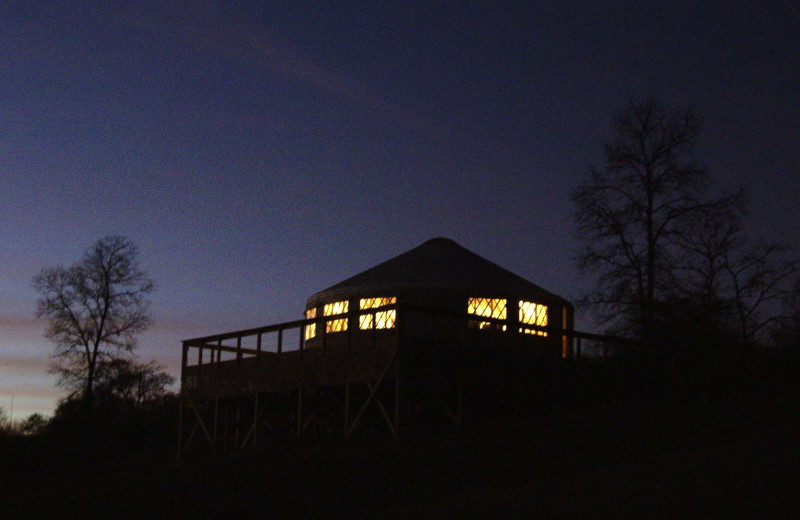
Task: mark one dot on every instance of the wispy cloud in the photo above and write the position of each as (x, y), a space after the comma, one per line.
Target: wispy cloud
(24, 365)
(215, 31)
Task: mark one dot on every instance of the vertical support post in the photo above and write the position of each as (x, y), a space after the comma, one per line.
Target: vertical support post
(324, 334)
(238, 424)
(372, 316)
(255, 420)
(346, 408)
(301, 339)
(216, 399)
(346, 420)
(299, 427)
(399, 322)
(397, 399)
(184, 354)
(459, 402)
(216, 423)
(225, 431)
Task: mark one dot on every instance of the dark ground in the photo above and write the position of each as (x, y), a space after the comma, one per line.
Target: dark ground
(685, 445)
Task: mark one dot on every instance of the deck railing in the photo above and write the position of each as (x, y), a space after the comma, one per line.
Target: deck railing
(273, 341)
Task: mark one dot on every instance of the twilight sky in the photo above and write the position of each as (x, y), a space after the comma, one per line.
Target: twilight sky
(258, 152)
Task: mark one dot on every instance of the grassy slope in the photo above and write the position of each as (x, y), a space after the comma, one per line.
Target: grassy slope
(732, 450)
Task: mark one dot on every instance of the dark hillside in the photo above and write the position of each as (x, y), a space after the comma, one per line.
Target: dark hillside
(717, 440)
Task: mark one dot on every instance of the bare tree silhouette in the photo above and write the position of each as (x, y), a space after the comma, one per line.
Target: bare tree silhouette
(661, 246)
(94, 310)
(627, 210)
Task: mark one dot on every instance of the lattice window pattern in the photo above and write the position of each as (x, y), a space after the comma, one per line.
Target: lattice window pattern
(372, 303)
(380, 319)
(365, 321)
(490, 308)
(385, 319)
(531, 313)
(311, 328)
(337, 325)
(332, 309)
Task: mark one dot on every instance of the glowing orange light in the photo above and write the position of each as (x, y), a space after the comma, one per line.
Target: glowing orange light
(490, 308)
(531, 313)
(380, 319)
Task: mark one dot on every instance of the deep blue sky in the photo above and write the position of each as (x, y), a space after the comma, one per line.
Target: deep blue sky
(258, 152)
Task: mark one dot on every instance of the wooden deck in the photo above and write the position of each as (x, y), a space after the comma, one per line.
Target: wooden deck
(308, 368)
(271, 380)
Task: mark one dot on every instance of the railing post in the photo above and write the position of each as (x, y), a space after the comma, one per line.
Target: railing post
(255, 420)
(301, 340)
(184, 354)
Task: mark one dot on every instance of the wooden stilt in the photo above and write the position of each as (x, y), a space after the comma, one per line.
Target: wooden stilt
(216, 424)
(238, 422)
(184, 354)
(346, 409)
(255, 421)
(371, 396)
(180, 425)
(397, 405)
(199, 417)
(299, 413)
(459, 404)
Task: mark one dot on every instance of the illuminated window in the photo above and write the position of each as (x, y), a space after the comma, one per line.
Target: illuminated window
(338, 325)
(489, 308)
(380, 319)
(333, 309)
(371, 303)
(311, 328)
(532, 314)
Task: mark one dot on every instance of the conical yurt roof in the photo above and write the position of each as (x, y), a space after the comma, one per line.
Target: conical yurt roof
(438, 264)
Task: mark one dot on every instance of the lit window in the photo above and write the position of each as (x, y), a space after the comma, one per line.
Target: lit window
(385, 319)
(365, 321)
(337, 325)
(371, 303)
(380, 319)
(490, 308)
(531, 313)
(311, 328)
(333, 309)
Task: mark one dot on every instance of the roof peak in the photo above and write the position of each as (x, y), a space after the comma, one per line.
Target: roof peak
(439, 263)
(440, 240)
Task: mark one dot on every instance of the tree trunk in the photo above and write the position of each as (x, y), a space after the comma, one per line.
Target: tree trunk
(88, 393)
